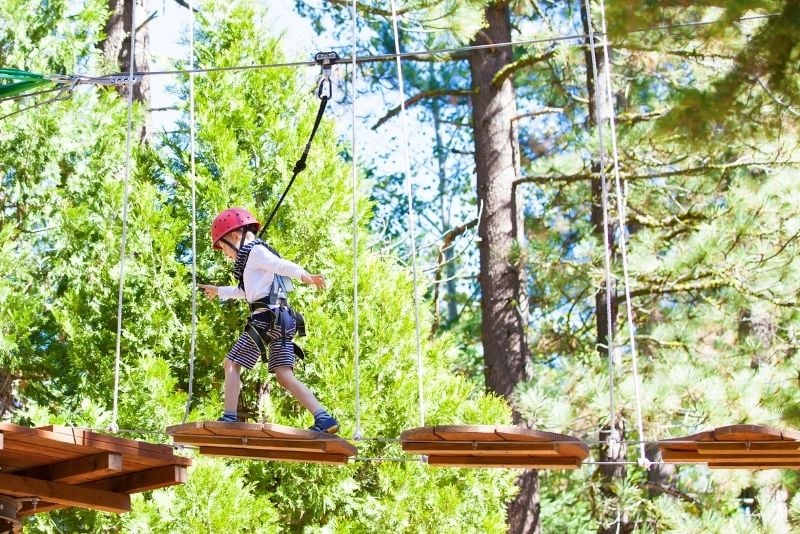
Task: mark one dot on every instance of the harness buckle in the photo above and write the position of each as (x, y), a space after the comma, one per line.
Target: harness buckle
(326, 60)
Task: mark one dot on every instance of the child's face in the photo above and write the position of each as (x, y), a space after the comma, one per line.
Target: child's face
(233, 237)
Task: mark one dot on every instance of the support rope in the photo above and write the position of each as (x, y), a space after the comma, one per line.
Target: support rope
(606, 236)
(411, 217)
(192, 128)
(621, 206)
(118, 350)
(356, 340)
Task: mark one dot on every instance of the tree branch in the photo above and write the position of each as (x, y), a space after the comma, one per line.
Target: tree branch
(584, 176)
(184, 3)
(543, 111)
(521, 63)
(447, 242)
(663, 488)
(435, 93)
(366, 8)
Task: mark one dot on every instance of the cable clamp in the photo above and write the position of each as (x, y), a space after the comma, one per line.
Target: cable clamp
(326, 60)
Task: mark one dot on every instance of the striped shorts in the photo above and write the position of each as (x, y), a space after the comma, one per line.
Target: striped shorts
(246, 351)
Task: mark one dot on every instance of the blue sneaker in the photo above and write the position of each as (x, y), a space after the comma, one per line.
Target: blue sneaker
(227, 418)
(325, 422)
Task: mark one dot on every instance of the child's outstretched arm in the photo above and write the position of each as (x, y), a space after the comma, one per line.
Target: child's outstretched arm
(223, 292)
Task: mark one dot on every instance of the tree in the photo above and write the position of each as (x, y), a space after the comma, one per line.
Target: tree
(251, 125)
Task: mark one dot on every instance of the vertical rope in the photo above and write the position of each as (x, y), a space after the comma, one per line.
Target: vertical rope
(118, 351)
(412, 229)
(192, 128)
(621, 207)
(356, 341)
(604, 202)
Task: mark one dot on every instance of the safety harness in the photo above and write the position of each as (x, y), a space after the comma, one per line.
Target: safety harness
(275, 305)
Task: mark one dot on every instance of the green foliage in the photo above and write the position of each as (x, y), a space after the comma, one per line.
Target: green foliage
(61, 224)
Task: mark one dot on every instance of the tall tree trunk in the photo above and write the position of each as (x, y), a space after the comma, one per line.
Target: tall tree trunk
(502, 278)
(116, 49)
(614, 433)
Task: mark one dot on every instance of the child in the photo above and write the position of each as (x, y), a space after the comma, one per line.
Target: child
(257, 269)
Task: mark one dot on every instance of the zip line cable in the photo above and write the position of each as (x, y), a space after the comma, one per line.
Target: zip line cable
(412, 231)
(356, 340)
(118, 350)
(116, 79)
(193, 180)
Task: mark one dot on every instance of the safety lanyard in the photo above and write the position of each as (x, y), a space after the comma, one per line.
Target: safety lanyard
(326, 60)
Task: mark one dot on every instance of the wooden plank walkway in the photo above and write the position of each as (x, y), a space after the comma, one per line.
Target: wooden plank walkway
(63, 467)
(263, 441)
(736, 447)
(495, 446)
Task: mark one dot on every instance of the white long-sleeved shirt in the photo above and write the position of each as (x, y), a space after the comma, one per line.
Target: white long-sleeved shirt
(259, 272)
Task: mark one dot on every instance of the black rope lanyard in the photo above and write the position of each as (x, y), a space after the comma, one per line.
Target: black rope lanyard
(326, 60)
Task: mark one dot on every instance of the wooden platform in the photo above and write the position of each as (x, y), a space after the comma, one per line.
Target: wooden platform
(736, 447)
(263, 441)
(495, 446)
(63, 467)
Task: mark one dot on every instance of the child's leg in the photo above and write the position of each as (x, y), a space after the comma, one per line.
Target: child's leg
(299, 391)
(233, 384)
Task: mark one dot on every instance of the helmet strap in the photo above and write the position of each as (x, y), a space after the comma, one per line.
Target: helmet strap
(235, 249)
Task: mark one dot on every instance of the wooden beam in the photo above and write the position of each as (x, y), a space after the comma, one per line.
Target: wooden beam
(150, 479)
(129, 483)
(78, 470)
(76, 440)
(752, 447)
(474, 449)
(695, 457)
(41, 507)
(254, 443)
(66, 494)
(284, 456)
(759, 465)
(504, 461)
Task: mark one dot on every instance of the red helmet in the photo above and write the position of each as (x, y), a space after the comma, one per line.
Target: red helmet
(229, 220)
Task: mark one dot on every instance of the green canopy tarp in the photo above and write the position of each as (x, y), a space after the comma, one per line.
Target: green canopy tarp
(15, 82)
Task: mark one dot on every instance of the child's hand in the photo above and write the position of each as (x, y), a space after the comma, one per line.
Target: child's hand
(316, 280)
(211, 291)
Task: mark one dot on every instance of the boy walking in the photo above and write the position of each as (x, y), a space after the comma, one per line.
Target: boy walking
(271, 326)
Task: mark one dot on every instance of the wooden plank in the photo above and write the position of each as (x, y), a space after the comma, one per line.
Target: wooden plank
(253, 443)
(759, 465)
(159, 477)
(751, 448)
(747, 433)
(140, 449)
(483, 449)
(78, 470)
(686, 442)
(468, 433)
(284, 456)
(504, 461)
(81, 442)
(695, 457)
(423, 433)
(65, 494)
(41, 507)
(518, 433)
(196, 428)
